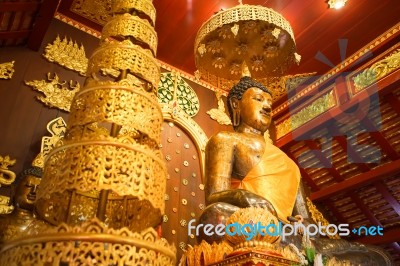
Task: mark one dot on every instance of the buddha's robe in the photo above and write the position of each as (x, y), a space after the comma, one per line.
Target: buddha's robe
(276, 177)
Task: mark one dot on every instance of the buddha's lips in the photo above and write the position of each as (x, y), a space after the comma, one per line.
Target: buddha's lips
(31, 197)
(265, 113)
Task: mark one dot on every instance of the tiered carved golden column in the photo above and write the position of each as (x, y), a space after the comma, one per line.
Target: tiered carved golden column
(103, 185)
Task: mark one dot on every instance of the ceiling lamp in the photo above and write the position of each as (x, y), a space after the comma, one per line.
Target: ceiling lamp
(256, 36)
(337, 4)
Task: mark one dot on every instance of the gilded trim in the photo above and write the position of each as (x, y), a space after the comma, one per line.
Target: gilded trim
(317, 107)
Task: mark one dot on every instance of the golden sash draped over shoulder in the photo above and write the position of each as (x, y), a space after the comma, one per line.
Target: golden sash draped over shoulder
(276, 177)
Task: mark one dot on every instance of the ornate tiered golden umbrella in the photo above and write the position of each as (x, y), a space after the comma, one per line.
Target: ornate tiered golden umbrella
(102, 184)
(256, 36)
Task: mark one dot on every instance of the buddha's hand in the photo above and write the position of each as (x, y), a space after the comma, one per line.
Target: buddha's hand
(254, 200)
(299, 220)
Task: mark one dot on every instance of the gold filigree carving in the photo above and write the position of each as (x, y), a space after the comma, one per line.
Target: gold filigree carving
(205, 253)
(219, 113)
(125, 102)
(377, 71)
(7, 70)
(91, 243)
(306, 114)
(142, 6)
(125, 56)
(57, 94)
(98, 11)
(172, 89)
(317, 216)
(5, 207)
(6, 176)
(67, 54)
(256, 25)
(57, 128)
(132, 26)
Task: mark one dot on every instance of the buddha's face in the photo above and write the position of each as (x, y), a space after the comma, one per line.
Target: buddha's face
(255, 109)
(25, 194)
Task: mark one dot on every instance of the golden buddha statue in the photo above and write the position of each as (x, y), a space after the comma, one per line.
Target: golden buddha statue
(243, 170)
(22, 218)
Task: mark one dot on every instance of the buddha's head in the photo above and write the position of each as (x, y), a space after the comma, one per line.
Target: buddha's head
(249, 103)
(25, 191)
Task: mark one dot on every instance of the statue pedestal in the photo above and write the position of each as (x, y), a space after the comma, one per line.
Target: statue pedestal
(254, 258)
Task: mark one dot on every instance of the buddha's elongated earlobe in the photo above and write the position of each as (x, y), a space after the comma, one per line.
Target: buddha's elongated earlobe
(236, 117)
(235, 111)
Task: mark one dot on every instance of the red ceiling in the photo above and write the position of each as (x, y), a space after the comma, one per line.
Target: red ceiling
(316, 27)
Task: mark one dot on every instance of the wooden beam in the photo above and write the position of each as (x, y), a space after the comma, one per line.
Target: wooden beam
(365, 210)
(387, 237)
(321, 157)
(357, 181)
(388, 196)
(14, 34)
(43, 20)
(380, 139)
(342, 140)
(19, 6)
(393, 101)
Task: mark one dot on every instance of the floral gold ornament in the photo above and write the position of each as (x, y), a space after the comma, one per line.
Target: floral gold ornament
(183, 222)
(7, 70)
(219, 113)
(7, 177)
(205, 253)
(57, 128)
(57, 94)
(5, 205)
(377, 71)
(173, 90)
(104, 183)
(182, 246)
(67, 54)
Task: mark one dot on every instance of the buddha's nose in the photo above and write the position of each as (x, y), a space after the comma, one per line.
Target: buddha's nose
(267, 108)
(34, 188)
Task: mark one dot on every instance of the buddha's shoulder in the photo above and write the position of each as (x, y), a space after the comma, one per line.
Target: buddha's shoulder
(225, 137)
